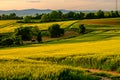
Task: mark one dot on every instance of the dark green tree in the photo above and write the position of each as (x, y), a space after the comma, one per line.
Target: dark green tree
(44, 18)
(27, 33)
(54, 16)
(12, 16)
(7, 42)
(4, 17)
(82, 29)
(18, 40)
(113, 14)
(70, 15)
(100, 14)
(90, 16)
(77, 16)
(117, 14)
(60, 14)
(39, 37)
(82, 15)
(27, 19)
(55, 30)
(37, 16)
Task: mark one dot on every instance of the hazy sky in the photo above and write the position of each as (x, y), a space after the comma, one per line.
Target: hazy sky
(59, 4)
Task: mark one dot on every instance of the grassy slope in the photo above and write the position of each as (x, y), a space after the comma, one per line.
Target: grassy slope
(97, 50)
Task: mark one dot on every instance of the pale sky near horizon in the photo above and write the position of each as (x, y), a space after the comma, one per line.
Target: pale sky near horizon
(59, 4)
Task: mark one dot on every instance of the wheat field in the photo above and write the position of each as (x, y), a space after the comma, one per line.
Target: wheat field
(99, 49)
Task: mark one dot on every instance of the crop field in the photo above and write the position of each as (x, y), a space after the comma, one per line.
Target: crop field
(92, 56)
(11, 25)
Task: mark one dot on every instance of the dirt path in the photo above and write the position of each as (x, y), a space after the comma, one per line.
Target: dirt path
(102, 71)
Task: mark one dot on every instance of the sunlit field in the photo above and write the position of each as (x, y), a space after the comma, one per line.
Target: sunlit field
(11, 25)
(71, 58)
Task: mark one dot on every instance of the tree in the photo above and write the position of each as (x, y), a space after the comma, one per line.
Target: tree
(70, 15)
(44, 18)
(62, 31)
(37, 16)
(7, 42)
(4, 17)
(117, 14)
(18, 40)
(82, 29)
(60, 14)
(100, 14)
(27, 33)
(27, 19)
(90, 16)
(12, 16)
(82, 15)
(113, 14)
(39, 37)
(55, 30)
(54, 16)
(76, 16)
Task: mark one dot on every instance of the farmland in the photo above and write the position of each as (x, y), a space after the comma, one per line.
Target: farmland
(71, 58)
(11, 25)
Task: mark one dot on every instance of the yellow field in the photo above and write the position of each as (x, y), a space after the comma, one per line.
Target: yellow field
(11, 25)
(99, 49)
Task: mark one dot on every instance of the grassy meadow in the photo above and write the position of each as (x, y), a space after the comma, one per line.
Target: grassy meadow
(92, 56)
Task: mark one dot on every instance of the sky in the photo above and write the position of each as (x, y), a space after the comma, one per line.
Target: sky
(59, 4)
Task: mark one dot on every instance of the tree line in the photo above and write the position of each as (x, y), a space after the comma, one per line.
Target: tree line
(60, 16)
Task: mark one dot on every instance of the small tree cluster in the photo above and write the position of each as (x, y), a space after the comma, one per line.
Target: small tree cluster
(12, 40)
(55, 30)
(27, 33)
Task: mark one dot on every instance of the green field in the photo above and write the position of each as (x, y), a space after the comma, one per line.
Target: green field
(92, 56)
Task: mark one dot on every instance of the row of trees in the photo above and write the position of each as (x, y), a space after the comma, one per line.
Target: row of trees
(10, 16)
(13, 16)
(59, 16)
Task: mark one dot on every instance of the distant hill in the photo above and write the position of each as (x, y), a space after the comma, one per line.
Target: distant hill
(34, 11)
